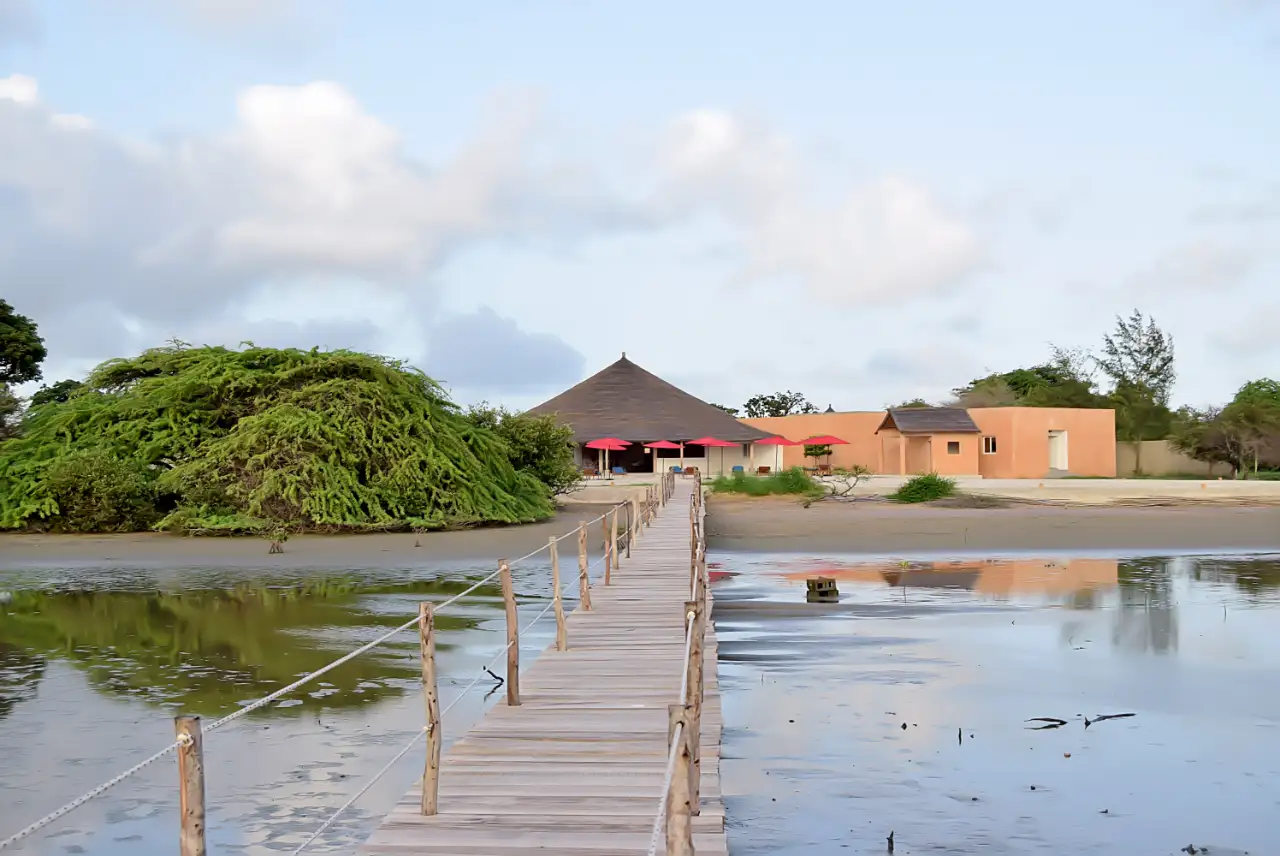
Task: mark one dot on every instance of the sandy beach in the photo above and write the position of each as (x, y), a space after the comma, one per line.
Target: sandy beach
(783, 524)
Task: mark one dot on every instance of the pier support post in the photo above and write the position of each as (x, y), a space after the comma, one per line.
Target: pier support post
(191, 785)
(431, 695)
(635, 517)
(584, 579)
(695, 614)
(613, 541)
(562, 632)
(513, 634)
(607, 545)
(630, 527)
(679, 821)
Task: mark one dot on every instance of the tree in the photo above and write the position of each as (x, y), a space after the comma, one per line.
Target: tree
(1138, 358)
(1239, 434)
(21, 348)
(778, 404)
(58, 392)
(10, 411)
(732, 411)
(538, 445)
(913, 404)
(1066, 380)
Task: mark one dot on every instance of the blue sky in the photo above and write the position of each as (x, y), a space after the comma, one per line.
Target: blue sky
(861, 201)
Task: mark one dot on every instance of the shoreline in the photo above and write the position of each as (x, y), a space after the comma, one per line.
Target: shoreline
(775, 524)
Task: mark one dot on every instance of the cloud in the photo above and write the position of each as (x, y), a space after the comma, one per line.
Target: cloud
(1262, 206)
(484, 351)
(1200, 266)
(306, 186)
(1251, 335)
(886, 240)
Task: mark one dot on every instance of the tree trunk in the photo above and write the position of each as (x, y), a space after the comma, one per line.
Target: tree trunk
(1137, 457)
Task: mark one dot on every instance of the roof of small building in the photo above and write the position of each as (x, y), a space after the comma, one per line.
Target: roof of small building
(623, 400)
(929, 420)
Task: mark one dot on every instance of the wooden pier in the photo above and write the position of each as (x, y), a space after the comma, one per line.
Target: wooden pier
(579, 766)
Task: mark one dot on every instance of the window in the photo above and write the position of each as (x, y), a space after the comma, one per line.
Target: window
(988, 445)
(953, 447)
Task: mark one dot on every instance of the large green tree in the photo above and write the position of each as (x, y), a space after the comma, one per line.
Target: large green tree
(1065, 380)
(1138, 357)
(21, 348)
(218, 439)
(1244, 434)
(537, 445)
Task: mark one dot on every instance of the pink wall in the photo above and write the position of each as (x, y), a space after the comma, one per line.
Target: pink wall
(1022, 442)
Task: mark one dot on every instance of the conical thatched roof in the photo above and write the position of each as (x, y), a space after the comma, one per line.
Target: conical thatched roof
(623, 400)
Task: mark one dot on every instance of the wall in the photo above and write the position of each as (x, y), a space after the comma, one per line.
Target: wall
(859, 428)
(1022, 440)
(963, 464)
(1161, 459)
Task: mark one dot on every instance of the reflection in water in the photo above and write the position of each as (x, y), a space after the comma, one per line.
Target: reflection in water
(209, 650)
(903, 707)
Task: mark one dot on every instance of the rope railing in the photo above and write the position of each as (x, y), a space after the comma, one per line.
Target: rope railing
(679, 800)
(188, 744)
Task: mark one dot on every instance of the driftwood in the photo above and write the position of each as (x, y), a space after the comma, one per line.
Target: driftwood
(1052, 722)
(1104, 717)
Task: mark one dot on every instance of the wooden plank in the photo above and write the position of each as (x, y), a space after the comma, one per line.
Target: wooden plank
(577, 768)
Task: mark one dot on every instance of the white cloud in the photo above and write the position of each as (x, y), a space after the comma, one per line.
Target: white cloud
(19, 88)
(17, 20)
(1201, 266)
(886, 240)
(1252, 334)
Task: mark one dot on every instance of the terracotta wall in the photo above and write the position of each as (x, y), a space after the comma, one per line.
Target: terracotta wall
(1022, 442)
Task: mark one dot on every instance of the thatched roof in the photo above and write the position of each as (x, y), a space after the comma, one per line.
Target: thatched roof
(623, 400)
(929, 420)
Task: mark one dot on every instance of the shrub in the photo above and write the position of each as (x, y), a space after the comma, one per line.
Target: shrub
(792, 481)
(924, 488)
(97, 491)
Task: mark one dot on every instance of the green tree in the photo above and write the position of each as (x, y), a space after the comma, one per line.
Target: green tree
(10, 411)
(58, 392)
(732, 411)
(913, 404)
(1239, 434)
(1138, 357)
(537, 445)
(21, 348)
(778, 404)
(1064, 381)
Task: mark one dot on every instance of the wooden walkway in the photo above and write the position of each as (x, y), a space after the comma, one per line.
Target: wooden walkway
(578, 767)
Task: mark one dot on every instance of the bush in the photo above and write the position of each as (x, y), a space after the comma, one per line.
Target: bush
(925, 488)
(537, 445)
(793, 481)
(97, 491)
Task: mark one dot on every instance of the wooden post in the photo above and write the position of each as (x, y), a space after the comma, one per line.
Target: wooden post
(584, 582)
(427, 644)
(635, 514)
(608, 556)
(191, 785)
(693, 704)
(613, 542)
(513, 635)
(630, 526)
(679, 822)
(562, 633)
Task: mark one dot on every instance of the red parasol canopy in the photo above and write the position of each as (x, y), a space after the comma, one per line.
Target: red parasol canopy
(823, 440)
(710, 441)
(610, 443)
(776, 441)
(663, 444)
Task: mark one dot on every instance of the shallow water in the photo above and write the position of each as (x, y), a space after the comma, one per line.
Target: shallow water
(97, 657)
(963, 653)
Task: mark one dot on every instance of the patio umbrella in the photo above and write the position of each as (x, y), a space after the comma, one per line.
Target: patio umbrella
(708, 442)
(605, 445)
(775, 442)
(824, 440)
(665, 444)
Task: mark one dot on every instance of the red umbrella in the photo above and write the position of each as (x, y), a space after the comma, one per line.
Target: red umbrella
(607, 444)
(824, 440)
(776, 441)
(663, 444)
(712, 441)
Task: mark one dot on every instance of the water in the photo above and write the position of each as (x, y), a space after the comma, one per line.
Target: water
(817, 761)
(96, 657)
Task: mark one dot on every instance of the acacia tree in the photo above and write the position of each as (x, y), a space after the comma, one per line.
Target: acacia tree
(1138, 357)
(1237, 435)
(21, 353)
(778, 404)
(732, 411)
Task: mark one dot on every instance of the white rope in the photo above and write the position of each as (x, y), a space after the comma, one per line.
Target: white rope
(666, 787)
(79, 801)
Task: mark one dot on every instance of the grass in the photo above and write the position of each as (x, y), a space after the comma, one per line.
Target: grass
(794, 481)
(924, 488)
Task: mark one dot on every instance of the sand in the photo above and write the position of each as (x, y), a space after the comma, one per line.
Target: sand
(782, 524)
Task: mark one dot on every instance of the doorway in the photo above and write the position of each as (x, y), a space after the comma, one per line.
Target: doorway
(1058, 450)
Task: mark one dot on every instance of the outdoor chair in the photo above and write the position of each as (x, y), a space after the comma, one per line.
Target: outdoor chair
(824, 469)
(763, 471)
(677, 470)
(738, 470)
(618, 471)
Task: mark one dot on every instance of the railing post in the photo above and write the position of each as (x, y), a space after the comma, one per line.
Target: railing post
(635, 515)
(562, 633)
(630, 529)
(430, 693)
(608, 555)
(679, 821)
(695, 615)
(513, 635)
(191, 785)
(613, 542)
(584, 581)
(693, 547)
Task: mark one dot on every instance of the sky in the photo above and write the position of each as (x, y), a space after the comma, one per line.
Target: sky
(865, 202)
